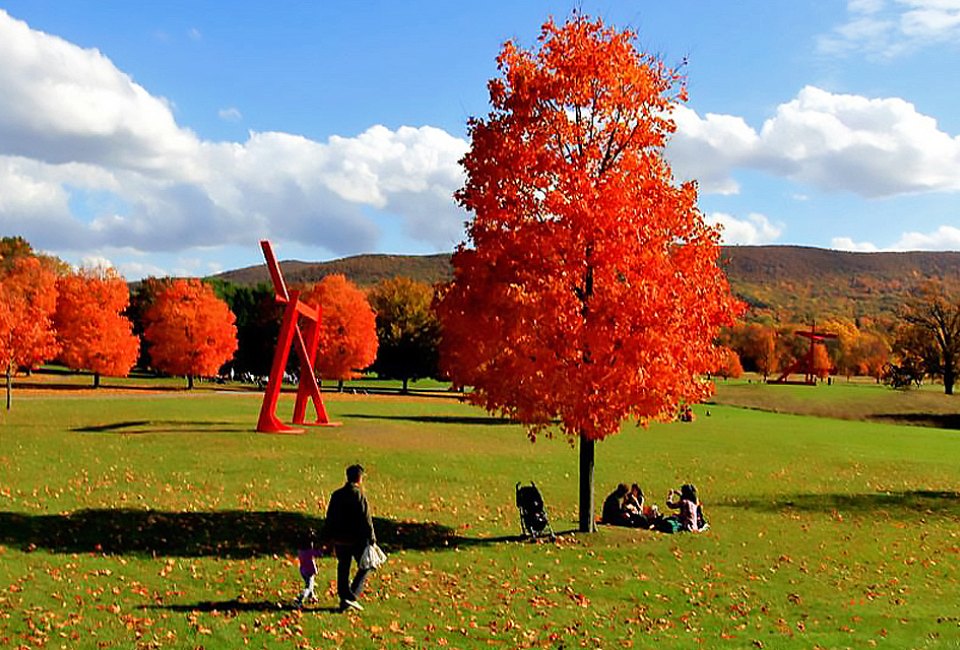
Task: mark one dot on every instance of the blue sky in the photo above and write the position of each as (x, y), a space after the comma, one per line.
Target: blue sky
(169, 137)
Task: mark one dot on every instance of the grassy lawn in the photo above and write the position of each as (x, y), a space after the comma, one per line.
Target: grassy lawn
(160, 519)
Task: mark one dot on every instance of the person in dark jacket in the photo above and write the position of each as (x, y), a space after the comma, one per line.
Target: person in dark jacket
(349, 528)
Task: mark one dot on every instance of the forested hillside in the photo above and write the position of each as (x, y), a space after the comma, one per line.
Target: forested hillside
(790, 283)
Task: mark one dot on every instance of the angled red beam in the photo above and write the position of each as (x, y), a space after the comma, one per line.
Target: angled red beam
(291, 336)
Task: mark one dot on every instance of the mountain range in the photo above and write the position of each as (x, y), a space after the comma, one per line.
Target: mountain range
(788, 283)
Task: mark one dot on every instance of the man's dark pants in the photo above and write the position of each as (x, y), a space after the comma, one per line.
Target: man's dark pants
(346, 554)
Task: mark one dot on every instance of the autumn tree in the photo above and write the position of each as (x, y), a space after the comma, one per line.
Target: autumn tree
(190, 330)
(589, 290)
(932, 331)
(348, 328)
(28, 300)
(821, 364)
(407, 330)
(93, 333)
(730, 366)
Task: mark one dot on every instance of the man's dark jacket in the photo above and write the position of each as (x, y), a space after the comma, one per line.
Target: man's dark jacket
(348, 520)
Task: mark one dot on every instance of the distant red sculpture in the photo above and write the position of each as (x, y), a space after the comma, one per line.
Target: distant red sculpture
(805, 363)
(306, 343)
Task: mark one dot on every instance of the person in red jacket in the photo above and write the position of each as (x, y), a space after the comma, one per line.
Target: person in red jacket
(349, 528)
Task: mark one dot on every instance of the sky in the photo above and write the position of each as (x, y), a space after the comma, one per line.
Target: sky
(168, 138)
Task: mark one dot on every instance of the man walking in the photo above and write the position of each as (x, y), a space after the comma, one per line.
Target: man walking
(349, 528)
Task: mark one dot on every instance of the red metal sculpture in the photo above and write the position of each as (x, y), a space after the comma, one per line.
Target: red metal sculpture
(805, 364)
(306, 346)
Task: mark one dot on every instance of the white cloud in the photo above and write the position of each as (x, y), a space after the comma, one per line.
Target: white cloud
(884, 29)
(194, 34)
(707, 148)
(943, 238)
(847, 244)
(871, 147)
(90, 160)
(755, 229)
(230, 114)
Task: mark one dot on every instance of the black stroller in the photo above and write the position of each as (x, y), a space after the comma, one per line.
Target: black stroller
(533, 518)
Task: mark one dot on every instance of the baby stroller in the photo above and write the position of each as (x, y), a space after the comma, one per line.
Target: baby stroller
(533, 518)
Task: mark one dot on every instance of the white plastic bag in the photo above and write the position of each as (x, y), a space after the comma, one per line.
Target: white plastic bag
(372, 557)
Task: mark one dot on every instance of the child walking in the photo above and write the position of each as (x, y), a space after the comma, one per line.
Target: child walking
(307, 555)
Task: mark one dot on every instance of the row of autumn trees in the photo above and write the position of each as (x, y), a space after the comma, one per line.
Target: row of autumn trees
(89, 320)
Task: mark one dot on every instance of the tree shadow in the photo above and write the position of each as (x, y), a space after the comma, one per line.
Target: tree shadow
(906, 504)
(164, 426)
(238, 606)
(226, 534)
(934, 420)
(435, 419)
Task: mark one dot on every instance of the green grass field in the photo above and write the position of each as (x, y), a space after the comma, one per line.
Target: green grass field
(136, 519)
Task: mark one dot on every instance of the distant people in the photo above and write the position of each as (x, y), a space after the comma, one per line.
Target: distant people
(349, 528)
(690, 513)
(307, 554)
(686, 414)
(613, 513)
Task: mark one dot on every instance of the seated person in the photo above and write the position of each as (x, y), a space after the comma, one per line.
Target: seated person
(688, 505)
(613, 513)
(637, 512)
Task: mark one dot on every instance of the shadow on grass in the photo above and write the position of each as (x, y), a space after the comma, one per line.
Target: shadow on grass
(434, 419)
(165, 426)
(227, 534)
(914, 503)
(238, 606)
(935, 420)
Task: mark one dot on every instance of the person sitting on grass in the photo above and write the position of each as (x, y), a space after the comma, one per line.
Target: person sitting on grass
(637, 512)
(690, 515)
(613, 513)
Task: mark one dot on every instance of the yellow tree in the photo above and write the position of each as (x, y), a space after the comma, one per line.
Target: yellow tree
(93, 332)
(590, 291)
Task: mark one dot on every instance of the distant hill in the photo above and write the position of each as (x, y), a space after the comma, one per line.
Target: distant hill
(790, 282)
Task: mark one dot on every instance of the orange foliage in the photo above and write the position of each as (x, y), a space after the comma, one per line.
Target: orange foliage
(730, 366)
(822, 364)
(93, 332)
(28, 300)
(348, 334)
(592, 292)
(191, 332)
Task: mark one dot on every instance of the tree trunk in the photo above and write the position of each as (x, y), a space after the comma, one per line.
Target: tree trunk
(949, 376)
(404, 390)
(189, 382)
(339, 385)
(9, 386)
(96, 380)
(587, 452)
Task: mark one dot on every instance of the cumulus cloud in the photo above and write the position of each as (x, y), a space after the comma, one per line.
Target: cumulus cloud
(884, 29)
(756, 229)
(847, 244)
(840, 142)
(73, 126)
(943, 238)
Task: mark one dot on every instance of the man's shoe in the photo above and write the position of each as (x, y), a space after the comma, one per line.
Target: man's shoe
(351, 604)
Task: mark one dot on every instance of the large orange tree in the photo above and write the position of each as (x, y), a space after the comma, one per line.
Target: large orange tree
(591, 291)
(28, 300)
(348, 328)
(190, 330)
(93, 332)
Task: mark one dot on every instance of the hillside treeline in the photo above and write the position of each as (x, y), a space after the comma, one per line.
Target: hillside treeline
(90, 320)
